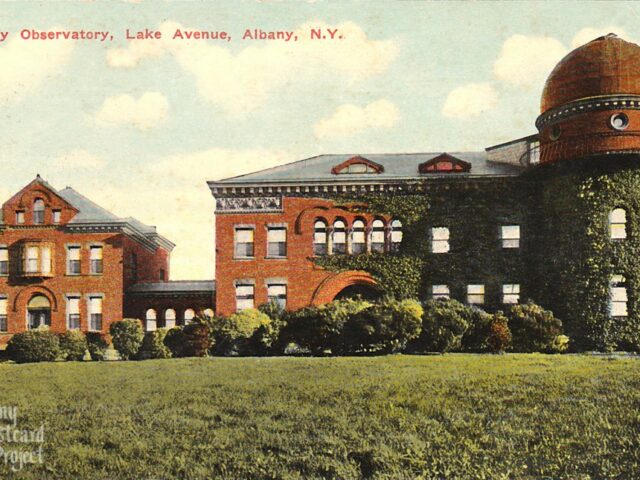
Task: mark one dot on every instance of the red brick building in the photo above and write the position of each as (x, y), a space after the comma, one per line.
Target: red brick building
(67, 263)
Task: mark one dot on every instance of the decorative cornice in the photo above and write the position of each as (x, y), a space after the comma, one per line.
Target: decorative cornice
(591, 104)
(249, 204)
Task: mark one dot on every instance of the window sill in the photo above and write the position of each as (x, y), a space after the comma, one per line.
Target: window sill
(274, 257)
(244, 258)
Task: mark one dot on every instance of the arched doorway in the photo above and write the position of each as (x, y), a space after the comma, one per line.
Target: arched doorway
(359, 290)
(38, 312)
(344, 285)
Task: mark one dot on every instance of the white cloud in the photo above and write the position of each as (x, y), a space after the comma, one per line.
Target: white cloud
(526, 61)
(26, 65)
(79, 159)
(470, 100)
(243, 81)
(350, 119)
(591, 33)
(144, 113)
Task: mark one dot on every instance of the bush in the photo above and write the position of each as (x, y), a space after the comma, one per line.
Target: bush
(34, 346)
(560, 344)
(153, 345)
(248, 332)
(97, 344)
(73, 345)
(127, 337)
(195, 339)
(174, 341)
(385, 327)
(444, 322)
(487, 333)
(534, 329)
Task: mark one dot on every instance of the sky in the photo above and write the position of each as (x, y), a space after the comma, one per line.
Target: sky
(139, 126)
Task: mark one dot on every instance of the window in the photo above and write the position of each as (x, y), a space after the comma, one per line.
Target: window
(19, 217)
(73, 260)
(618, 296)
(510, 293)
(134, 267)
(276, 241)
(440, 240)
(618, 224)
(358, 238)
(95, 254)
(150, 320)
(396, 235)
(38, 211)
(320, 237)
(440, 292)
(163, 276)
(244, 296)
(45, 259)
(169, 318)
(31, 261)
(357, 165)
(277, 293)
(475, 294)
(339, 237)
(244, 242)
(377, 236)
(3, 314)
(4, 260)
(73, 312)
(189, 315)
(56, 216)
(95, 313)
(510, 235)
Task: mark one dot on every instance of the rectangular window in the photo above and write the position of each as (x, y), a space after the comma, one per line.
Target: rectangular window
(134, 267)
(31, 261)
(56, 216)
(162, 275)
(19, 217)
(73, 260)
(45, 259)
(618, 296)
(277, 293)
(95, 313)
(38, 217)
(244, 242)
(511, 293)
(244, 296)
(475, 294)
(96, 260)
(3, 314)
(4, 260)
(440, 240)
(73, 313)
(276, 242)
(440, 292)
(510, 235)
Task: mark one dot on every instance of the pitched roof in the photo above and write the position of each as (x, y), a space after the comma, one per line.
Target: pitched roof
(174, 287)
(88, 211)
(397, 166)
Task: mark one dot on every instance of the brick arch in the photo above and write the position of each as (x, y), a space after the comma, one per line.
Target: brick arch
(335, 283)
(25, 295)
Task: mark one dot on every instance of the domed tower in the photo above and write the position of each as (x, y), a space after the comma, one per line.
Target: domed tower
(585, 196)
(591, 102)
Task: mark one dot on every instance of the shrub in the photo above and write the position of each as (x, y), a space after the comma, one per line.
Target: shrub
(127, 337)
(97, 343)
(153, 345)
(73, 345)
(487, 333)
(34, 346)
(195, 339)
(384, 327)
(244, 333)
(444, 322)
(174, 341)
(560, 344)
(534, 329)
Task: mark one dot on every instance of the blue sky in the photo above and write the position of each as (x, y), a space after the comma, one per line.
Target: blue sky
(140, 126)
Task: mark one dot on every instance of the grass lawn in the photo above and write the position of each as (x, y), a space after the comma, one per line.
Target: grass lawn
(396, 417)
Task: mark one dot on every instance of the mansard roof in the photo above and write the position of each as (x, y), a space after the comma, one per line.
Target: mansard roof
(395, 167)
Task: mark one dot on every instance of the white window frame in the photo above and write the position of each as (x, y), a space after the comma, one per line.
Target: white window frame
(510, 236)
(511, 293)
(150, 320)
(476, 294)
(96, 260)
(245, 299)
(4, 319)
(440, 292)
(618, 224)
(69, 297)
(90, 313)
(618, 297)
(281, 246)
(69, 249)
(440, 237)
(4, 260)
(237, 229)
(279, 298)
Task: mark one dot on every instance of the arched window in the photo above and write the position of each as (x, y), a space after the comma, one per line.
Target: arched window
(320, 237)
(189, 313)
(396, 235)
(169, 318)
(339, 237)
(358, 243)
(150, 320)
(38, 211)
(208, 313)
(377, 236)
(39, 312)
(618, 224)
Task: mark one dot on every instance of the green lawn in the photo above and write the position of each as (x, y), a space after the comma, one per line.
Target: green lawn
(396, 417)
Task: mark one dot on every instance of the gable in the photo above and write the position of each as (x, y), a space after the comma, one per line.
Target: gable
(357, 165)
(444, 163)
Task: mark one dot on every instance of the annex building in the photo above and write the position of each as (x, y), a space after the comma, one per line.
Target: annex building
(553, 217)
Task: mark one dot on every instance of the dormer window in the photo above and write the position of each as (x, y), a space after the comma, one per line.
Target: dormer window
(55, 216)
(357, 165)
(38, 211)
(444, 163)
(20, 217)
